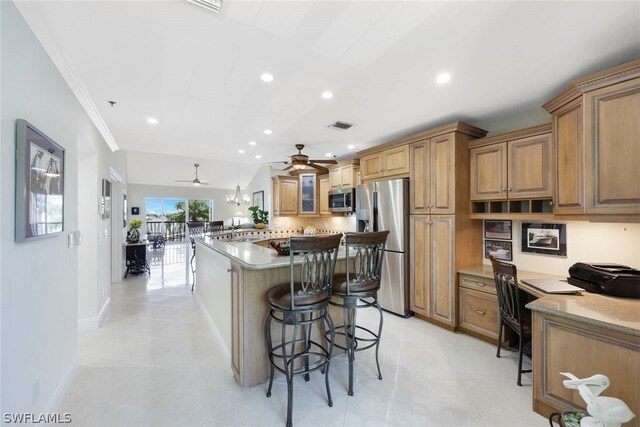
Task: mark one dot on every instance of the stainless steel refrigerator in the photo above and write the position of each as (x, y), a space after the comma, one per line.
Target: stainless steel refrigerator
(385, 206)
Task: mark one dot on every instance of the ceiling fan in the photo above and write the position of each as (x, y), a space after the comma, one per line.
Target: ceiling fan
(301, 161)
(194, 181)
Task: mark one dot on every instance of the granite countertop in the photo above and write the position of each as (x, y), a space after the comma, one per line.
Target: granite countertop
(252, 256)
(614, 313)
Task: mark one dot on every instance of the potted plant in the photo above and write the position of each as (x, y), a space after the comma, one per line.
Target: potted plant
(260, 218)
(133, 235)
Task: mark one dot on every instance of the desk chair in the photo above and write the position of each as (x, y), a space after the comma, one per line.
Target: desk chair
(196, 228)
(302, 303)
(506, 278)
(358, 289)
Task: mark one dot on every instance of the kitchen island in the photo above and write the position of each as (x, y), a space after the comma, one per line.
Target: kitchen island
(232, 280)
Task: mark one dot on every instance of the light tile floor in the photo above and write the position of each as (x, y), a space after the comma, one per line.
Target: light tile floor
(154, 363)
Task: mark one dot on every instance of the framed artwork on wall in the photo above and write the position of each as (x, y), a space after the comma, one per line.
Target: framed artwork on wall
(500, 249)
(39, 184)
(542, 238)
(258, 199)
(497, 229)
(135, 210)
(106, 199)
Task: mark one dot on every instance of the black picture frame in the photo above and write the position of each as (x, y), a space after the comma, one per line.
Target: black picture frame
(544, 238)
(500, 249)
(258, 200)
(40, 176)
(497, 229)
(135, 210)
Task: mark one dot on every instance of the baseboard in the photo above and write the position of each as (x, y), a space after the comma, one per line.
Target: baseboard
(96, 321)
(214, 329)
(63, 386)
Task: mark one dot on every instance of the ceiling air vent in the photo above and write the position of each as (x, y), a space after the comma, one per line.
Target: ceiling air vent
(340, 125)
(210, 5)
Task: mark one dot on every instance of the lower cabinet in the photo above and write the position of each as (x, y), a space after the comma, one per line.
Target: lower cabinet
(236, 321)
(478, 307)
(432, 282)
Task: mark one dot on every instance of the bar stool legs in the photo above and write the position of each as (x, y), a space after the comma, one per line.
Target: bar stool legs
(297, 350)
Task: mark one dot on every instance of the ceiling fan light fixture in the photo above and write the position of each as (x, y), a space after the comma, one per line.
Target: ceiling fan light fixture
(299, 166)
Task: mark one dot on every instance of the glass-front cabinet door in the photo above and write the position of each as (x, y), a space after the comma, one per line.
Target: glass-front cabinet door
(308, 193)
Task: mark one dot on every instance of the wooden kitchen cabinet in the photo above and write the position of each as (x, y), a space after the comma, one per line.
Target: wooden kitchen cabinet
(323, 193)
(387, 163)
(285, 195)
(432, 282)
(596, 131)
(516, 165)
(478, 307)
(343, 175)
(236, 321)
(432, 175)
(308, 195)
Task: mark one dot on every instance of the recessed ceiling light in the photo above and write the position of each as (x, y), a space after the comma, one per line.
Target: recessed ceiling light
(268, 131)
(443, 78)
(266, 77)
(351, 146)
(258, 156)
(241, 151)
(152, 120)
(327, 95)
(328, 154)
(252, 143)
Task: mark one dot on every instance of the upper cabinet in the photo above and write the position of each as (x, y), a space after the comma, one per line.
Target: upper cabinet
(392, 162)
(344, 174)
(323, 194)
(433, 169)
(308, 185)
(596, 129)
(515, 165)
(285, 195)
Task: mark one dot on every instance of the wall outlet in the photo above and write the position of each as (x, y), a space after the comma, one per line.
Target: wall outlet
(35, 391)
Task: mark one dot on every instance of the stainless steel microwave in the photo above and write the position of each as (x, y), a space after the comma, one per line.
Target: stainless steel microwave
(342, 200)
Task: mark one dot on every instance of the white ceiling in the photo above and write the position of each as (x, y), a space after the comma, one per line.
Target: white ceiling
(198, 72)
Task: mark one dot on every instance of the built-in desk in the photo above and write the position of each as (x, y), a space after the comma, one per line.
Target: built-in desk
(584, 334)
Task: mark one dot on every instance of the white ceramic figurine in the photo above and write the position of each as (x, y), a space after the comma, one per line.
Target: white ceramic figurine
(604, 411)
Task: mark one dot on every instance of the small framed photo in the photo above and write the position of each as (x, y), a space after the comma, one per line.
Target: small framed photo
(105, 209)
(258, 199)
(494, 229)
(499, 249)
(135, 210)
(541, 238)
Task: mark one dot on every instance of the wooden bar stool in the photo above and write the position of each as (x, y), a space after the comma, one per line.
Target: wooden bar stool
(358, 289)
(301, 304)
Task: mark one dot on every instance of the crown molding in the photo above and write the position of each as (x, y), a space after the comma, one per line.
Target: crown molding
(30, 15)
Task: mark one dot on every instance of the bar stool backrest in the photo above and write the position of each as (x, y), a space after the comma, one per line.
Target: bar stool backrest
(215, 226)
(196, 228)
(367, 250)
(506, 278)
(319, 256)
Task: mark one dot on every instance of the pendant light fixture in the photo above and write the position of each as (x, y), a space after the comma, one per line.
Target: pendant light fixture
(237, 198)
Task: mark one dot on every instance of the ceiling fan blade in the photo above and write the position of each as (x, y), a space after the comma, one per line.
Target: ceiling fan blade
(287, 168)
(183, 180)
(271, 163)
(318, 167)
(329, 162)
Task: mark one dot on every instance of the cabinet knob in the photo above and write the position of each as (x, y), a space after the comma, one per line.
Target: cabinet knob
(480, 312)
(482, 285)
(504, 189)
(508, 188)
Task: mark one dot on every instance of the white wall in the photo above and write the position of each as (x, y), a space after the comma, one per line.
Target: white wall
(261, 181)
(39, 279)
(586, 242)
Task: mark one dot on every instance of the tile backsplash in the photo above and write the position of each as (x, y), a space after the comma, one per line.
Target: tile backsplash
(333, 223)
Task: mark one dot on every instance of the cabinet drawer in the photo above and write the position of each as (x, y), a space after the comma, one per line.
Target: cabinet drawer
(482, 284)
(479, 312)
